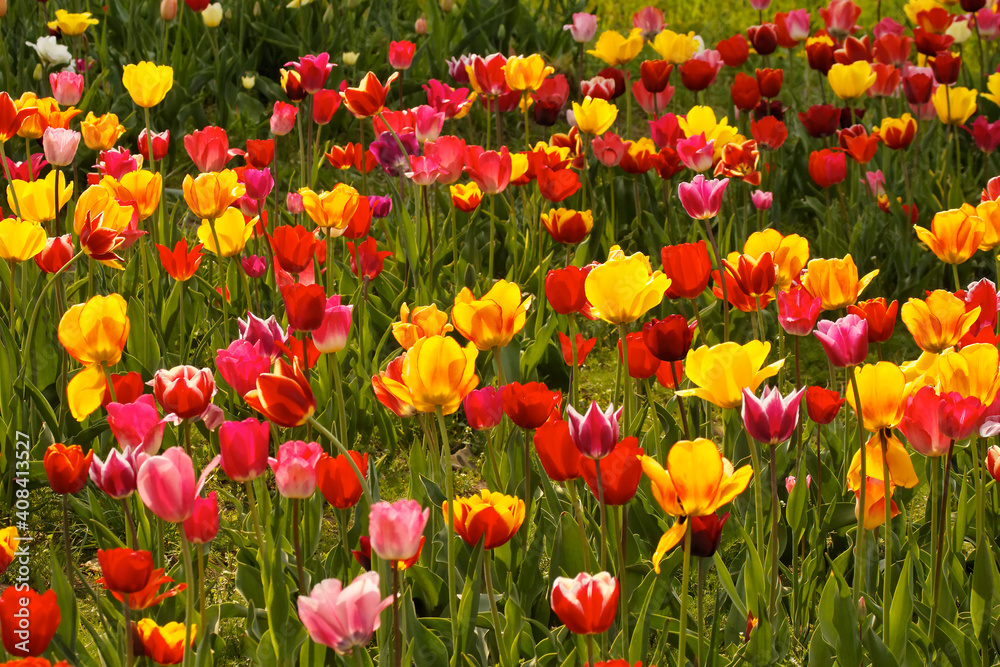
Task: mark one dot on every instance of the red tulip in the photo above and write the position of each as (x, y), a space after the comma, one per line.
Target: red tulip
(769, 133)
(484, 407)
(401, 54)
(706, 533)
(337, 480)
(620, 472)
(161, 143)
(366, 259)
(880, 317)
(203, 524)
(820, 120)
(368, 98)
(56, 254)
(655, 75)
(827, 168)
(586, 604)
(324, 104)
(564, 289)
(642, 364)
(125, 571)
(294, 247)
(770, 81)
(583, 348)
(668, 339)
(260, 153)
(209, 148)
(745, 92)
(185, 391)
(531, 404)
(734, 51)
(823, 404)
(67, 468)
(305, 305)
(559, 456)
(688, 267)
(763, 38)
(558, 185)
(181, 262)
(19, 603)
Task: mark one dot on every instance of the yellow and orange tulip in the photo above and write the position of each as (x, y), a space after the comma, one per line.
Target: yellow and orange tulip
(722, 371)
(939, 321)
(493, 320)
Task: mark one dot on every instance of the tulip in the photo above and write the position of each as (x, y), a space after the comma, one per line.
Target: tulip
(54, 256)
(467, 197)
(615, 50)
(993, 462)
(526, 73)
(37, 199)
(736, 50)
(771, 419)
(797, 311)
(874, 511)
(896, 459)
(822, 405)
(484, 408)
(436, 372)
(702, 198)
(696, 154)
(564, 289)
(696, 482)
(181, 263)
(295, 468)
(209, 195)
(531, 404)
(67, 87)
(366, 259)
(487, 517)
(938, 322)
(94, 334)
(168, 10)
(954, 105)
(396, 530)
(675, 47)
(836, 281)
(850, 82)
(624, 288)
(839, 17)
(283, 396)
(331, 335)
(827, 168)
(334, 208)
(125, 571)
(313, 71)
(969, 372)
(556, 450)
(260, 153)
(337, 480)
(241, 364)
(28, 621)
(368, 98)
(583, 28)
(243, 448)
(167, 485)
(184, 391)
(66, 467)
(203, 524)
(595, 116)
(722, 371)
(586, 604)
(422, 322)
(147, 83)
(117, 475)
(669, 339)
(294, 247)
(493, 320)
(163, 644)
(20, 241)
(8, 546)
(595, 433)
(161, 143)
(583, 348)
(343, 618)
(567, 225)
(955, 235)
(845, 341)
(881, 318)
(621, 472)
(882, 387)
(490, 170)
(266, 332)
(920, 423)
(642, 365)
(688, 267)
(208, 148)
(763, 38)
(755, 276)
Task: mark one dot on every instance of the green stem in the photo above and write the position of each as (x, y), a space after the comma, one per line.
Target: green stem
(298, 549)
(201, 582)
(339, 393)
(773, 593)
(497, 633)
(859, 547)
(685, 575)
(578, 511)
(129, 658)
(945, 506)
(6, 172)
(758, 493)
(252, 502)
(189, 599)
(604, 518)
(887, 578)
(626, 379)
(450, 489)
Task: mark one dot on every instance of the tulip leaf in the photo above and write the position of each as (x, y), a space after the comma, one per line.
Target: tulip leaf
(425, 648)
(655, 598)
(727, 584)
(468, 607)
(795, 510)
(878, 652)
(141, 340)
(819, 650)
(981, 604)
(49, 415)
(64, 593)
(901, 612)
(537, 349)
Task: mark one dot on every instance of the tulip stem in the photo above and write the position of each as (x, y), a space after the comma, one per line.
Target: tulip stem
(626, 379)
(589, 641)
(758, 493)
(131, 537)
(252, 502)
(604, 518)
(680, 400)
(325, 432)
(489, 273)
(622, 560)
(6, 170)
(573, 358)
(341, 409)
(70, 565)
(722, 280)
(859, 546)
(397, 636)
(954, 273)
(887, 573)
(497, 633)
(188, 598)
(685, 576)
(773, 593)
(578, 511)
(945, 506)
(298, 549)
(450, 487)
(201, 584)
(129, 658)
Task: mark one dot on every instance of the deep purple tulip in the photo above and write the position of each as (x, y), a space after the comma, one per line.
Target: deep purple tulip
(393, 159)
(595, 433)
(845, 341)
(706, 533)
(771, 419)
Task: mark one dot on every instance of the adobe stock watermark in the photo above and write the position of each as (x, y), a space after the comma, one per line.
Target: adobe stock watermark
(22, 507)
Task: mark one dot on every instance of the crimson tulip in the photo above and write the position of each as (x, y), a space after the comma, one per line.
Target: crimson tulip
(531, 404)
(621, 471)
(557, 452)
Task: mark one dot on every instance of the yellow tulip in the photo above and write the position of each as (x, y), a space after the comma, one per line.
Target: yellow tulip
(723, 371)
(676, 48)
(701, 120)
(850, 82)
(36, 199)
(624, 288)
(140, 187)
(901, 472)
(85, 391)
(955, 235)
(101, 133)
(697, 481)
(789, 253)
(938, 322)
(955, 104)
(232, 230)
(95, 332)
(209, 195)
(492, 321)
(148, 83)
(614, 49)
(835, 281)
(993, 86)
(971, 371)
(989, 211)
(526, 73)
(437, 373)
(331, 209)
(72, 24)
(19, 240)
(421, 322)
(882, 387)
(874, 503)
(101, 199)
(488, 517)
(595, 116)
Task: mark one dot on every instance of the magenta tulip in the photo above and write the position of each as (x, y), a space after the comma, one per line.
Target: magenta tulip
(167, 484)
(702, 198)
(771, 419)
(797, 311)
(295, 468)
(331, 336)
(241, 364)
(920, 423)
(117, 475)
(203, 524)
(845, 341)
(484, 407)
(243, 447)
(137, 425)
(958, 416)
(67, 87)
(396, 530)
(266, 332)
(595, 433)
(342, 618)
(696, 153)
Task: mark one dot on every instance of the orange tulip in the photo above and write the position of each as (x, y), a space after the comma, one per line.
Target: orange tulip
(437, 372)
(421, 322)
(368, 98)
(492, 321)
(490, 517)
(954, 235)
(939, 321)
(284, 395)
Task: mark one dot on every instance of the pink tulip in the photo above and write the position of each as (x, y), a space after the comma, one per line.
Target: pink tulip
(427, 123)
(797, 24)
(168, 10)
(595, 433)
(845, 341)
(117, 162)
(797, 311)
(161, 143)
(608, 149)
(920, 423)
(650, 20)
(293, 202)
(137, 425)
(702, 198)
(243, 448)
(771, 419)
(583, 27)
(60, 146)
(988, 22)
(696, 153)
(241, 364)
(423, 170)
(484, 407)
(342, 618)
(651, 103)
(167, 485)
(203, 524)
(665, 131)
(489, 169)
(266, 332)
(313, 71)
(332, 334)
(449, 153)
(396, 530)
(761, 200)
(283, 118)
(598, 87)
(295, 468)
(401, 54)
(115, 476)
(67, 87)
(958, 415)
(789, 484)
(840, 17)
(760, 5)
(209, 148)
(254, 266)
(258, 182)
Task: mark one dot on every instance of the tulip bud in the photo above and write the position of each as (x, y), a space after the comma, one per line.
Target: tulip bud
(350, 58)
(249, 80)
(256, 9)
(328, 14)
(447, 5)
(168, 10)
(420, 26)
(3, 8)
(212, 15)
(294, 203)
(37, 74)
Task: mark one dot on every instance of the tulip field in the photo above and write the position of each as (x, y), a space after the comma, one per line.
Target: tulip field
(468, 333)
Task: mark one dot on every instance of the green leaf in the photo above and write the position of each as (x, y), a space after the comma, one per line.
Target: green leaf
(141, 340)
(655, 599)
(468, 607)
(982, 586)
(901, 612)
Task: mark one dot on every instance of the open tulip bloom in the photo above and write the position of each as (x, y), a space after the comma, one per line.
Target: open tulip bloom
(494, 341)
